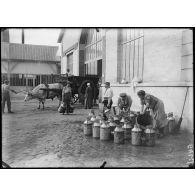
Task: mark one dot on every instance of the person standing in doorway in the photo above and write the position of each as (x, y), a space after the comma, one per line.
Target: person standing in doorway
(5, 89)
(88, 97)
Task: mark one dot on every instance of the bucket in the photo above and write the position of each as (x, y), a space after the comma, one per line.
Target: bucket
(119, 136)
(88, 127)
(96, 130)
(127, 130)
(136, 134)
(105, 132)
(150, 137)
(144, 119)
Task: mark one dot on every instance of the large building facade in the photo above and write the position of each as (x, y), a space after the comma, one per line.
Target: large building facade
(161, 58)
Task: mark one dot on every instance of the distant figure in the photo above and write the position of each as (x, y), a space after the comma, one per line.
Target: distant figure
(66, 97)
(68, 72)
(88, 97)
(124, 103)
(5, 89)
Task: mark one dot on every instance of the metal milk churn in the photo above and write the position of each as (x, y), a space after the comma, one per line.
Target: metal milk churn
(136, 134)
(96, 129)
(119, 135)
(122, 121)
(93, 118)
(171, 122)
(88, 127)
(149, 137)
(127, 127)
(112, 125)
(105, 131)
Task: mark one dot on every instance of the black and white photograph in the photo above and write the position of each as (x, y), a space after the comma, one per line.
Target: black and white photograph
(97, 97)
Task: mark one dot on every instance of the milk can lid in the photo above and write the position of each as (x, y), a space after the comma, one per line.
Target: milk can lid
(87, 122)
(136, 129)
(96, 124)
(118, 129)
(149, 131)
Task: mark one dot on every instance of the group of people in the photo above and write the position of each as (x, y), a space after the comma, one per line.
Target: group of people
(148, 102)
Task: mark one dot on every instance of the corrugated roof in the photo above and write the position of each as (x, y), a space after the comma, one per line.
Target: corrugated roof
(16, 51)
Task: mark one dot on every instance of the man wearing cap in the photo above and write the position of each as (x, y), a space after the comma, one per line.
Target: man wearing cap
(124, 103)
(108, 94)
(156, 106)
(88, 97)
(5, 89)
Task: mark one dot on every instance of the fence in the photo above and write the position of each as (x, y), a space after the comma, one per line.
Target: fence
(29, 80)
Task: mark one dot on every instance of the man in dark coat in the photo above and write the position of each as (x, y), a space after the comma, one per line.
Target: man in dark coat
(88, 96)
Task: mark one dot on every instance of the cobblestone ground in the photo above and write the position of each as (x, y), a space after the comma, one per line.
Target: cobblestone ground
(37, 138)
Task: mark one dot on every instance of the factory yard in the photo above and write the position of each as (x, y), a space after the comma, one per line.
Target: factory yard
(37, 138)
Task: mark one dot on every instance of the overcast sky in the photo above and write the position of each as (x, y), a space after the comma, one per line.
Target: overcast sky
(35, 36)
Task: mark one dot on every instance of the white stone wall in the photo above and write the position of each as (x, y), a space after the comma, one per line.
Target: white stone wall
(172, 96)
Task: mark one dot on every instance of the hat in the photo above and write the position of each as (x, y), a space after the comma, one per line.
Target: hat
(123, 94)
(6, 81)
(88, 84)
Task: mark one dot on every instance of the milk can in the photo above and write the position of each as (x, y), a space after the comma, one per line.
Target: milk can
(96, 129)
(105, 131)
(88, 127)
(171, 122)
(149, 137)
(112, 125)
(136, 134)
(127, 129)
(119, 136)
(93, 118)
(122, 121)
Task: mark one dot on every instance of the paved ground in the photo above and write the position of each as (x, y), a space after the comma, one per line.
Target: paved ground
(37, 138)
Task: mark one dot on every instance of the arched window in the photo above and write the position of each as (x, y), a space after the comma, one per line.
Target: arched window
(93, 52)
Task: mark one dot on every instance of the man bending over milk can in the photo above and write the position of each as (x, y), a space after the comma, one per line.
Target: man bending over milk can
(157, 111)
(124, 104)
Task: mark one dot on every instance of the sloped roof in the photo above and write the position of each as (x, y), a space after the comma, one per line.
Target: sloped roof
(15, 51)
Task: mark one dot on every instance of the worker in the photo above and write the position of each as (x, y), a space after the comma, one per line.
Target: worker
(66, 97)
(157, 111)
(88, 97)
(124, 103)
(5, 89)
(108, 95)
(68, 72)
